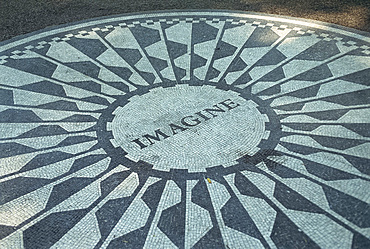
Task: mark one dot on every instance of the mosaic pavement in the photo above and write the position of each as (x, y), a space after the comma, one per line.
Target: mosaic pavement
(186, 129)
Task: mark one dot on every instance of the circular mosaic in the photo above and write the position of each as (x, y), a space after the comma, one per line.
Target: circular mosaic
(186, 129)
(179, 127)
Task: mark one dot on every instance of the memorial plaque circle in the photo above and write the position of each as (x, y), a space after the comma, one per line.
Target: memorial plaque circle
(190, 129)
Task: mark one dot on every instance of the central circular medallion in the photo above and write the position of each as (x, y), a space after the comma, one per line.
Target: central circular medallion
(188, 127)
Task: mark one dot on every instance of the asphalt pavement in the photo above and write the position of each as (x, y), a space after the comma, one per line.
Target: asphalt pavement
(24, 16)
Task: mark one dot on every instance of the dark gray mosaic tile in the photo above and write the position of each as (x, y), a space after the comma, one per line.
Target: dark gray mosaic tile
(5, 231)
(359, 163)
(337, 143)
(360, 129)
(347, 99)
(12, 149)
(66, 189)
(360, 241)
(292, 200)
(315, 74)
(306, 92)
(36, 66)
(212, 238)
(286, 235)
(107, 185)
(145, 36)
(85, 162)
(88, 85)
(49, 230)
(282, 171)
(224, 49)
(361, 77)
(349, 207)
(246, 187)
(109, 214)
(60, 105)
(86, 67)
(79, 118)
(261, 37)
(175, 49)
(172, 223)
(320, 51)
(327, 173)
(18, 116)
(90, 47)
(235, 217)
(25, 185)
(274, 75)
(6, 97)
(46, 87)
(328, 115)
(272, 57)
(44, 130)
(45, 159)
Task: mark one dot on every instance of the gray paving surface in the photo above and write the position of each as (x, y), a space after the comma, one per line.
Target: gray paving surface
(23, 16)
(186, 129)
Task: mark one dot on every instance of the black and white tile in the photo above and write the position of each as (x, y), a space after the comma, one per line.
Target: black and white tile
(186, 130)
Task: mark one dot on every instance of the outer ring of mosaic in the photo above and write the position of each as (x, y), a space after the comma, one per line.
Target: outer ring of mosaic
(118, 154)
(65, 31)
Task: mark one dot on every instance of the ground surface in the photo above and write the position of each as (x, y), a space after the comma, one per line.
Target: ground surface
(185, 129)
(23, 16)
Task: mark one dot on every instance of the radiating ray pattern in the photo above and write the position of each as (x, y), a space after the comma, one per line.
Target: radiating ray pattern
(186, 130)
